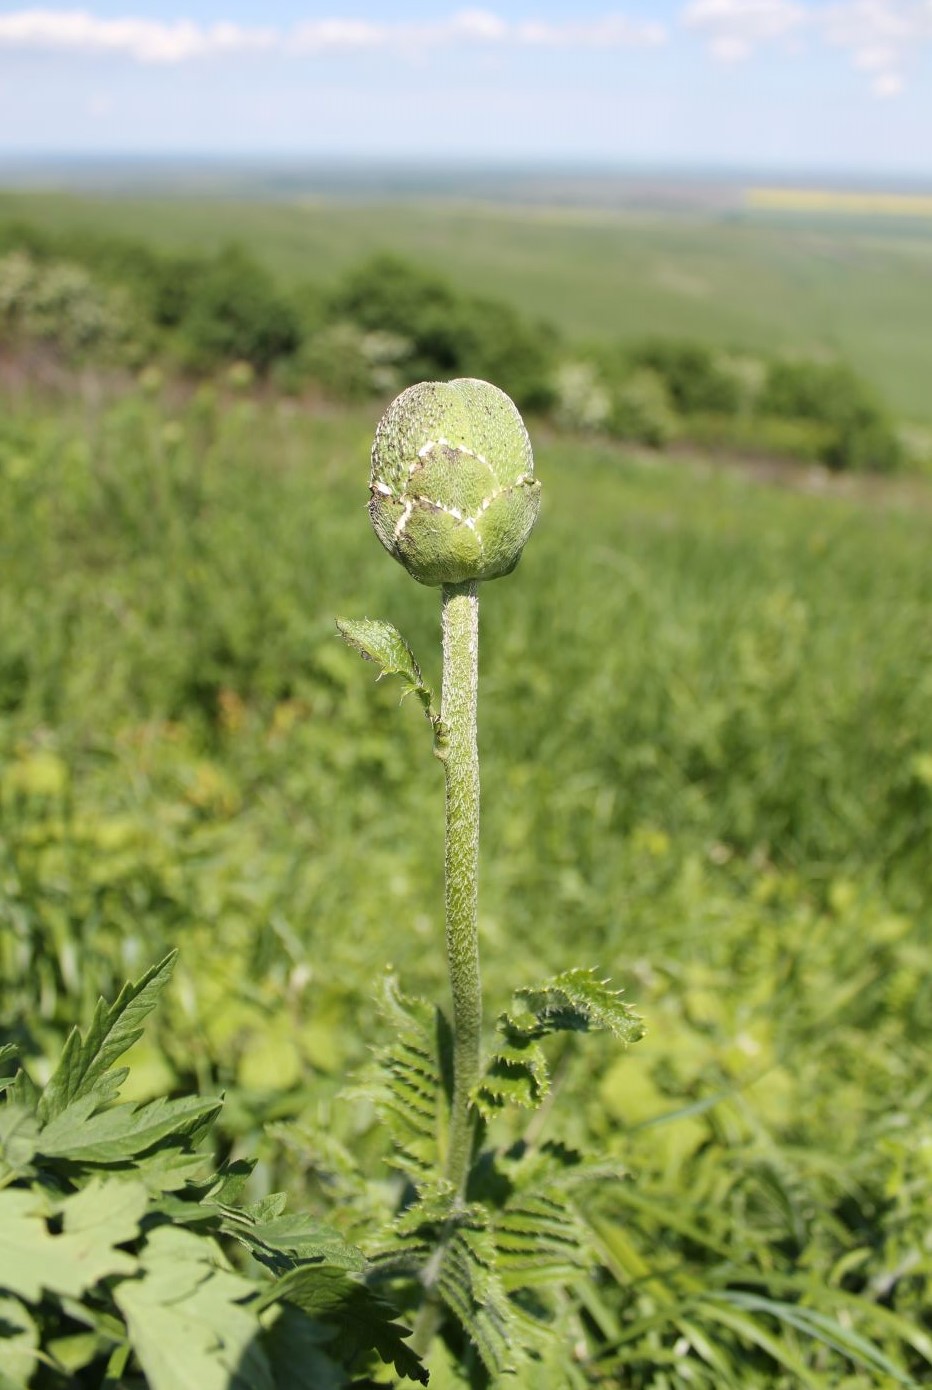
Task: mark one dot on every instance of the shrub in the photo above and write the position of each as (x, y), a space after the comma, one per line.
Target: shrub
(235, 312)
(860, 435)
(642, 411)
(581, 399)
(352, 363)
(60, 303)
(450, 334)
(695, 380)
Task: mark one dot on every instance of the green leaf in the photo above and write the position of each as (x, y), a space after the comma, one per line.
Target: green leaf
(384, 645)
(94, 1221)
(363, 1321)
(85, 1063)
(406, 1081)
(517, 1074)
(294, 1344)
(822, 1328)
(20, 1338)
(470, 1286)
(8, 1054)
(189, 1322)
(125, 1131)
(285, 1239)
(19, 1132)
(575, 1001)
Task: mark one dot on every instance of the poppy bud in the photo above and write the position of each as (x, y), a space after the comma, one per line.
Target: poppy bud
(453, 491)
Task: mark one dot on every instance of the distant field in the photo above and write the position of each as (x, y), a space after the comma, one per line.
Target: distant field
(860, 288)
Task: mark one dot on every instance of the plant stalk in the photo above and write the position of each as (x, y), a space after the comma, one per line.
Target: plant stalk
(458, 705)
(459, 753)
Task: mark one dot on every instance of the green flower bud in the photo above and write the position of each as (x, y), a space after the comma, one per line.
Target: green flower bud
(453, 491)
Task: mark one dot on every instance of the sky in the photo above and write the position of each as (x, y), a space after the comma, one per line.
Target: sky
(794, 85)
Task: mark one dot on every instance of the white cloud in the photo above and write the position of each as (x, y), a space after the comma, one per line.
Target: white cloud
(611, 32)
(733, 29)
(153, 41)
(148, 41)
(879, 36)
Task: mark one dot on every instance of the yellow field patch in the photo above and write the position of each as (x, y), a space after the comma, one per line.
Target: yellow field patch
(834, 200)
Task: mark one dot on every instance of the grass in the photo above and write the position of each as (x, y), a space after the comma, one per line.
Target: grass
(706, 767)
(863, 290)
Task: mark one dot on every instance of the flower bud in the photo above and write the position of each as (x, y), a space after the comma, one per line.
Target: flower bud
(453, 491)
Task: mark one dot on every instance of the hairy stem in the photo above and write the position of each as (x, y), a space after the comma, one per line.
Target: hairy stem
(460, 754)
(459, 698)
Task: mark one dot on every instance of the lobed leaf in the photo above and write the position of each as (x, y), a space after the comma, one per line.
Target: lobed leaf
(361, 1320)
(190, 1325)
(406, 1081)
(94, 1222)
(384, 645)
(125, 1131)
(85, 1064)
(575, 1001)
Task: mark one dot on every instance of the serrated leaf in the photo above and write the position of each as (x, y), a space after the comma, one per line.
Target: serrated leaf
(517, 1074)
(363, 1321)
(126, 1130)
(19, 1132)
(284, 1239)
(95, 1221)
(190, 1325)
(85, 1064)
(471, 1288)
(575, 1001)
(295, 1346)
(384, 645)
(406, 1081)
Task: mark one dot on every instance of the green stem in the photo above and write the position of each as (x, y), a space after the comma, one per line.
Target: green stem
(459, 699)
(459, 752)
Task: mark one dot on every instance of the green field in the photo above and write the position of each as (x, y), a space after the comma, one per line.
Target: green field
(707, 771)
(860, 289)
(706, 752)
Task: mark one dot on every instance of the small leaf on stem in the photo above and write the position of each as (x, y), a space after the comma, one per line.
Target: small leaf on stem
(384, 645)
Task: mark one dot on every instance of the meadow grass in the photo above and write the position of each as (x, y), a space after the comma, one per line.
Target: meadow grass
(859, 289)
(706, 768)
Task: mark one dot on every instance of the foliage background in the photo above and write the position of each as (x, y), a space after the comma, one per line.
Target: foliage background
(705, 768)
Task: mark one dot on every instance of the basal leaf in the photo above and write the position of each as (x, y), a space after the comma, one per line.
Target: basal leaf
(406, 1081)
(384, 645)
(85, 1064)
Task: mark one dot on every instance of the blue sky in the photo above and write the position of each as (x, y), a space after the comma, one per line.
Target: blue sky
(774, 84)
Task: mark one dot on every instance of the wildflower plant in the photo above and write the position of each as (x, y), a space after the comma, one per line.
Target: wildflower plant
(487, 1237)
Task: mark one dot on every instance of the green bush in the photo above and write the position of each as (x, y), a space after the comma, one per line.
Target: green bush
(235, 312)
(695, 380)
(59, 303)
(860, 436)
(450, 334)
(582, 400)
(642, 411)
